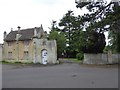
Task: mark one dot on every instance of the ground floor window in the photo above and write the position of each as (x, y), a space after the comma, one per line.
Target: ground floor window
(9, 55)
(26, 54)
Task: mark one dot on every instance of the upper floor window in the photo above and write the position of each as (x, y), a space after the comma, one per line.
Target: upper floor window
(26, 43)
(9, 43)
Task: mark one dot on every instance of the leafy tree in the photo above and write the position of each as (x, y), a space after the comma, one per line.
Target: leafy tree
(59, 37)
(102, 16)
(66, 22)
(114, 32)
(95, 43)
(71, 28)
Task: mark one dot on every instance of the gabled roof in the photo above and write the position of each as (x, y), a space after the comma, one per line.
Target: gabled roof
(26, 34)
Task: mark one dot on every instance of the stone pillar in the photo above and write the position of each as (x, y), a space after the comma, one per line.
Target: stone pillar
(110, 57)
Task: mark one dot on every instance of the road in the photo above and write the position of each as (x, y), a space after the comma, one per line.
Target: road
(66, 75)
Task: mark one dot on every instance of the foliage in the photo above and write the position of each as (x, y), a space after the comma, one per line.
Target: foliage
(96, 19)
(72, 29)
(18, 62)
(95, 43)
(4, 61)
(104, 16)
(114, 32)
(60, 39)
(80, 56)
(71, 39)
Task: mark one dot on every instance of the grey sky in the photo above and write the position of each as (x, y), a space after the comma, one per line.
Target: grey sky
(33, 13)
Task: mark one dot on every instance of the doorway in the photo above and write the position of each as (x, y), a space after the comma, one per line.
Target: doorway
(44, 56)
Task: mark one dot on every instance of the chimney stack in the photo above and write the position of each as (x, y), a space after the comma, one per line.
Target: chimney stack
(19, 29)
(11, 29)
(5, 34)
(35, 32)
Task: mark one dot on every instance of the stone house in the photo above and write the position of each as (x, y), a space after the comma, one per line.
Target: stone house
(31, 45)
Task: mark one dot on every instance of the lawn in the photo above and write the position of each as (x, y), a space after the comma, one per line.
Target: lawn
(71, 60)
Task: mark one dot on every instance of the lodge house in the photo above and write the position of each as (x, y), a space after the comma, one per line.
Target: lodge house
(29, 44)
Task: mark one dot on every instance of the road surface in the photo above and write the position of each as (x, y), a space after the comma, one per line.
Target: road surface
(66, 75)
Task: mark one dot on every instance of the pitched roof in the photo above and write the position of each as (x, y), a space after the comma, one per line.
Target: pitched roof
(26, 34)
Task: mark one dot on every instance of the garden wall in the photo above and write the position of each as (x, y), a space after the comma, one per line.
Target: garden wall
(101, 58)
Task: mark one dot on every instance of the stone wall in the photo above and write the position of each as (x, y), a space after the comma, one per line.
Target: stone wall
(18, 49)
(34, 49)
(1, 52)
(44, 44)
(101, 58)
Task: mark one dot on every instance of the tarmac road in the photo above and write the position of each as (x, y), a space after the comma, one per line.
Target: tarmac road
(59, 76)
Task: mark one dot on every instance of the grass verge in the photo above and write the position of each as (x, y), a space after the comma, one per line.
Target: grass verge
(74, 60)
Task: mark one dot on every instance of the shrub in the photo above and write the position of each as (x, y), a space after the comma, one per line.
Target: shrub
(80, 56)
(18, 62)
(4, 61)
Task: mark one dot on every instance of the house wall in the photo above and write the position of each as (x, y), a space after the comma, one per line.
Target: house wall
(23, 48)
(1, 52)
(101, 58)
(7, 49)
(34, 50)
(18, 50)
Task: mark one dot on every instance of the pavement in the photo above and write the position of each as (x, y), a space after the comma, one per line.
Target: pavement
(66, 75)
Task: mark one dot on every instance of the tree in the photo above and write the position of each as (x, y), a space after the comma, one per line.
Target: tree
(66, 23)
(96, 18)
(71, 28)
(95, 43)
(103, 16)
(114, 32)
(59, 37)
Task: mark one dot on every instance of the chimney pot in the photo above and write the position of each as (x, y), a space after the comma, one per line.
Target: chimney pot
(18, 27)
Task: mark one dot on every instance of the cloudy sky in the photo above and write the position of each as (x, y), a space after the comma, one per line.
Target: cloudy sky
(32, 13)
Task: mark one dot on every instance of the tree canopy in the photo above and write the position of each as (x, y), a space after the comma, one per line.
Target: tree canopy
(59, 37)
(85, 33)
(103, 16)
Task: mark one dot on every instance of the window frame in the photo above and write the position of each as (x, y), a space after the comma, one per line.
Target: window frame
(26, 54)
(9, 55)
(26, 43)
(9, 44)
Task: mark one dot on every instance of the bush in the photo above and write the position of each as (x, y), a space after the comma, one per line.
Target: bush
(80, 56)
(4, 61)
(18, 62)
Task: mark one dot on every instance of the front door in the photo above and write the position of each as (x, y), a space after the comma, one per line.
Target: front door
(44, 56)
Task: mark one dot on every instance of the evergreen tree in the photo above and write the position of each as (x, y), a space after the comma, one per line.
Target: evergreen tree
(104, 16)
(59, 37)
